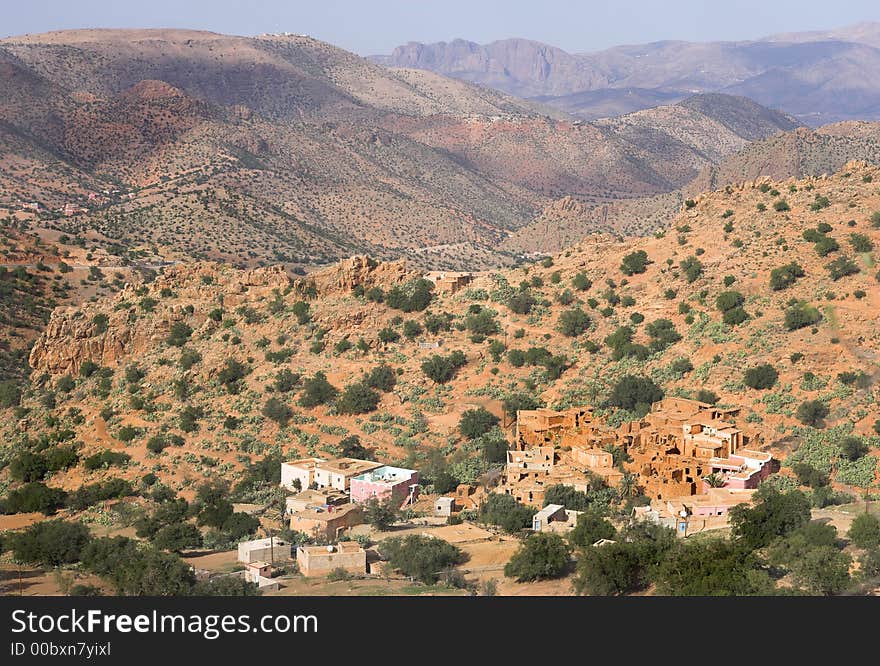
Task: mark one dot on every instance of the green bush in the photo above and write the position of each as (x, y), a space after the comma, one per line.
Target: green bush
(106, 459)
(179, 334)
(358, 398)
(414, 296)
(801, 316)
(785, 276)
(35, 496)
(635, 262)
(573, 323)
(476, 422)
(635, 393)
(421, 557)
(540, 556)
(52, 543)
(441, 369)
(841, 267)
(812, 412)
(865, 531)
(761, 377)
(692, 269)
(506, 512)
(317, 391)
(727, 300)
(278, 411)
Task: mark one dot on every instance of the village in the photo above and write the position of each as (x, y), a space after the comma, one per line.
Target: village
(685, 457)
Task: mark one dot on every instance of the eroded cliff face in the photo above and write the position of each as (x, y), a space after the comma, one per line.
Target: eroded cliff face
(113, 331)
(360, 270)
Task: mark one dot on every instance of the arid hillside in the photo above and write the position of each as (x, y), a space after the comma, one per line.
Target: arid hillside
(207, 368)
(795, 154)
(282, 148)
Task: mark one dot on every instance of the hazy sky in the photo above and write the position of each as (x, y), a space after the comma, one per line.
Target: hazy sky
(377, 26)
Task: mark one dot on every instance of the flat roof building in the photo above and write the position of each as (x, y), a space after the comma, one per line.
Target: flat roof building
(327, 523)
(337, 473)
(322, 560)
(268, 550)
(386, 484)
(299, 474)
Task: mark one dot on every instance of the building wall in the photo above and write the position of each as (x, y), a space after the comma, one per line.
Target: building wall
(321, 563)
(330, 527)
(290, 472)
(362, 491)
(248, 554)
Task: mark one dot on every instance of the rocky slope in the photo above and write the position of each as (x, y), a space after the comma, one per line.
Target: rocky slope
(161, 377)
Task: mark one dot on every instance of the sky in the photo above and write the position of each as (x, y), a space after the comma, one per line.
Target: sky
(376, 26)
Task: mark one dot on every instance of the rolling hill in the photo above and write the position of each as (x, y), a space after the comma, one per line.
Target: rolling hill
(185, 144)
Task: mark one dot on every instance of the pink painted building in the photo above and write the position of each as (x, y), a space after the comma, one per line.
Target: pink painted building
(744, 469)
(386, 483)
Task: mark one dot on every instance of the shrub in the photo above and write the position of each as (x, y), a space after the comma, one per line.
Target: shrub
(28, 467)
(35, 496)
(841, 267)
(52, 543)
(591, 527)
(421, 557)
(581, 282)
(278, 411)
(382, 378)
(506, 512)
(412, 329)
(90, 494)
(761, 377)
(707, 396)
(514, 402)
(826, 246)
(476, 422)
(574, 322)
(785, 276)
(811, 412)
(662, 333)
(106, 459)
(865, 531)
(539, 557)
(388, 335)
(351, 447)
(481, 323)
(414, 296)
(178, 334)
(635, 262)
(727, 300)
(860, 243)
(358, 398)
(853, 448)
(692, 268)
(440, 369)
(781, 206)
(521, 302)
(775, 515)
(286, 381)
(635, 393)
(317, 391)
(178, 537)
(231, 375)
(801, 316)
(10, 394)
(735, 316)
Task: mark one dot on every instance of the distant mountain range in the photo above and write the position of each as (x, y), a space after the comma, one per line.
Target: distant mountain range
(818, 77)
